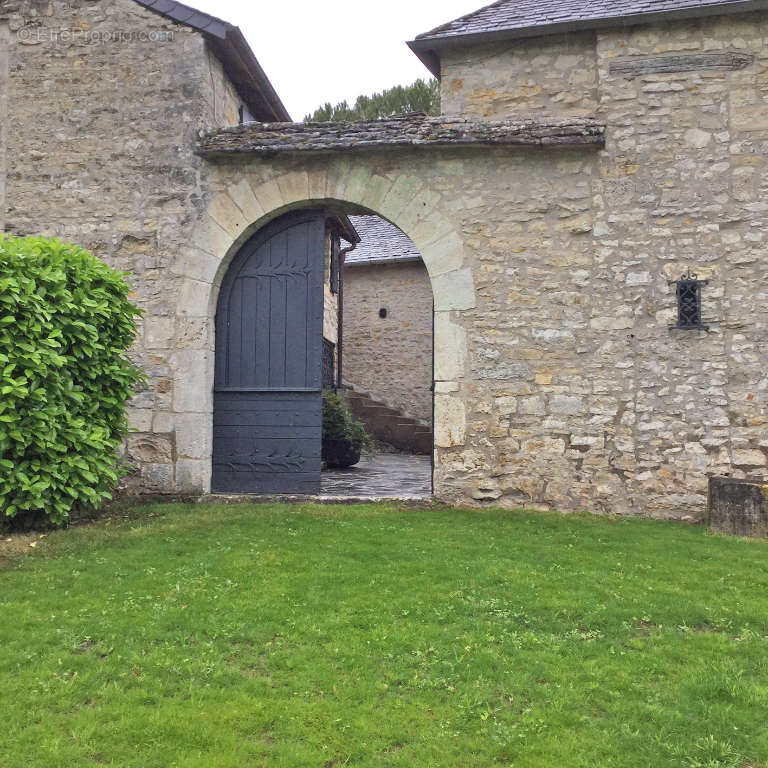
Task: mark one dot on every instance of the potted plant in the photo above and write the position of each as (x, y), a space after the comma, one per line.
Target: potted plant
(344, 438)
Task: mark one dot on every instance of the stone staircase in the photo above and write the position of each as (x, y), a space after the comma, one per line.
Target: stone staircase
(389, 425)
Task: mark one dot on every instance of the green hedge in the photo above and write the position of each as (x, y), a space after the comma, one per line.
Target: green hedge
(65, 324)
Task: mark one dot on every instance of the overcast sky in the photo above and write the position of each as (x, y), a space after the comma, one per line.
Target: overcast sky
(315, 51)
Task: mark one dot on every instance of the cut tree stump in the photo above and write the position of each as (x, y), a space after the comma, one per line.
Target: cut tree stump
(738, 507)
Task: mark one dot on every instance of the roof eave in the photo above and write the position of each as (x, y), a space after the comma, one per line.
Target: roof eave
(380, 262)
(347, 228)
(235, 51)
(232, 49)
(428, 48)
(429, 57)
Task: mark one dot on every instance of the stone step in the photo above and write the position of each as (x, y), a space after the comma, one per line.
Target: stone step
(389, 425)
(383, 411)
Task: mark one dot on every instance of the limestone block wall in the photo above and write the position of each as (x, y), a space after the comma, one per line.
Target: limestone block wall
(391, 357)
(104, 103)
(583, 396)
(555, 76)
(682, 186)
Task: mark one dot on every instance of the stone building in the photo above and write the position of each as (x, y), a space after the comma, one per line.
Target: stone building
(591, 159)
(388, 320)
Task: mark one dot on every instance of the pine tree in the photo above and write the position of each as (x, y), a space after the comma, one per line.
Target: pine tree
(420, 96)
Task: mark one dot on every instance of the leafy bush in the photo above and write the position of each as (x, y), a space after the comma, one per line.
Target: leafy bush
(65, 324)
(339, 424)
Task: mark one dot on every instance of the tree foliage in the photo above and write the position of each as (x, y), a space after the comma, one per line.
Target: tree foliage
(65, 324)
(420, 96)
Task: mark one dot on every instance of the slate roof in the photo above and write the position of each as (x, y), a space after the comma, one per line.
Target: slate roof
(189, 16)
(232, 49)
(528, 18)
(380, 242)
(414, 130)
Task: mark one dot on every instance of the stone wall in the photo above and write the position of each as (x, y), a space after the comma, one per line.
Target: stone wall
(554, 76)
(681, 186)
(107, 100)
(603, 406)
(462, 208)
(391, 357)
(4, 65)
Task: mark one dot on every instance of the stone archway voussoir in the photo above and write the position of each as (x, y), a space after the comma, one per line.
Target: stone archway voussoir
(211, 237)
(336, 175)
(399, 200)
(352, 186)
(375, 191)
(317, 184)
(423, 206)
(223, 210)
(241, 193)
(294, 186)
(193, 263)
(443, 255)
(268, 194)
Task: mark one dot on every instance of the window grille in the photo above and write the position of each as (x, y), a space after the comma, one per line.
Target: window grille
(688, 291)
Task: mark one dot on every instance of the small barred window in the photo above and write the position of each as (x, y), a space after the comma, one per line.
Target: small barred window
(688, 290)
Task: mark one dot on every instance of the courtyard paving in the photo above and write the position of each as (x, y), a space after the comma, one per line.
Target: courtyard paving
(382, 475)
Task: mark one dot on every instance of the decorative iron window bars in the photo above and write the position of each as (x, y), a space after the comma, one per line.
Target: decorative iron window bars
(688, 291)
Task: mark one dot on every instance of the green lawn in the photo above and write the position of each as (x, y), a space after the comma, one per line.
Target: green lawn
(278, 635)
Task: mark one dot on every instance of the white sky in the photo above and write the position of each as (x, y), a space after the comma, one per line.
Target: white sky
(315, 51)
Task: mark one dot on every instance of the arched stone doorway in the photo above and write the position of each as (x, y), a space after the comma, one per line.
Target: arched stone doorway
(250, 197)
(279, 315)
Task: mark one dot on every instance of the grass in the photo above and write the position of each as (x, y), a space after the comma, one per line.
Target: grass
(380, 636)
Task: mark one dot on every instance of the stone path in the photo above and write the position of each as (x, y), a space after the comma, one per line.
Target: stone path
(382, 475)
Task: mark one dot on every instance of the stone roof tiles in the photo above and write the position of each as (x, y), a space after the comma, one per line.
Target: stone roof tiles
(184, 14)
(520, 14)
(527, 18)
(415, 130)
(380, 243)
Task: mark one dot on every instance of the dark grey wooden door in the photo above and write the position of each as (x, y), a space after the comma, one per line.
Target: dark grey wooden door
(267, 416)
